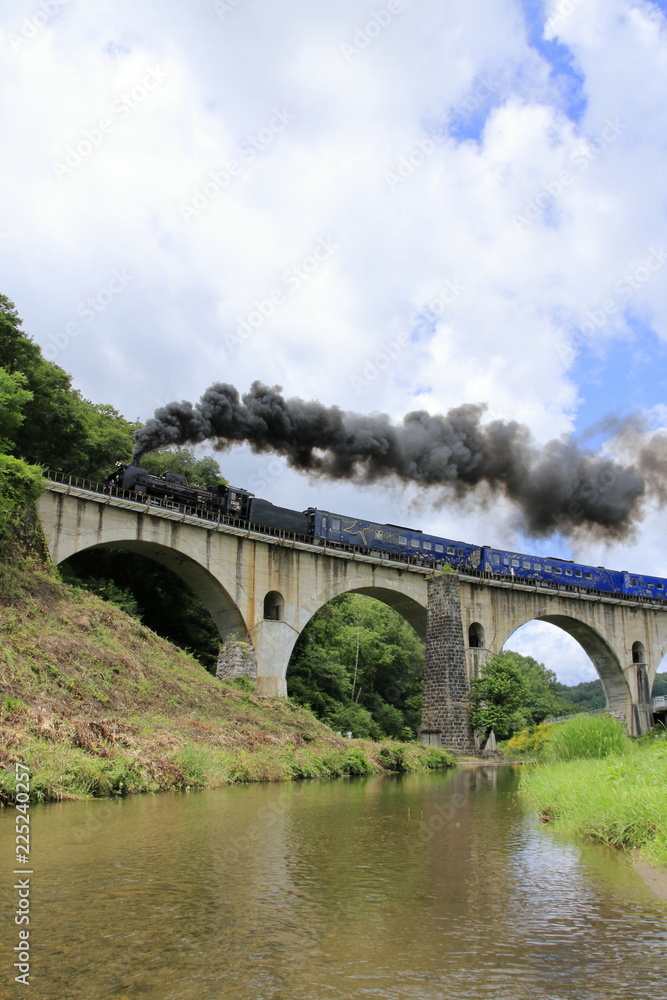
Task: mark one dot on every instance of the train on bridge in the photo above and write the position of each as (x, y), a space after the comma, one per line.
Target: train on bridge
(240, 506)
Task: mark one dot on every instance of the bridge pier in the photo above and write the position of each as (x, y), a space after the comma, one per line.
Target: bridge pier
(273, 642)
(445, 719)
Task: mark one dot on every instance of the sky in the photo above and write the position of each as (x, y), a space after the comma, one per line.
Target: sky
(391, 206)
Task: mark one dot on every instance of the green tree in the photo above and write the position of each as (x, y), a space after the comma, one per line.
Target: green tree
(59, 428)
(545, 698)
(14, 397)
(360, 667)
(498, 698)
(202, 472)
(53, 431)
(108, 439)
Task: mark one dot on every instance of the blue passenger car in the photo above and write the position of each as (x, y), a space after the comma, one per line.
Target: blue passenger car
(644, 586)
(394, 539)
(550, 570)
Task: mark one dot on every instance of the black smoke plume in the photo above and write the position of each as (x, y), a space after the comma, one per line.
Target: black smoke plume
(557, 488)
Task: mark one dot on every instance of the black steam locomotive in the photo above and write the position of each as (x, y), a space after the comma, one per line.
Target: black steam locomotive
(235, 505)
(229, 501)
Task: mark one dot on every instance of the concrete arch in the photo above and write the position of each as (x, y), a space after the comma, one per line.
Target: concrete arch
(219, 604)
(275, 640)
(412, 611)
(603, 657)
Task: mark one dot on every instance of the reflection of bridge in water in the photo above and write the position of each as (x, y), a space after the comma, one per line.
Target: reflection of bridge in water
(263, 589)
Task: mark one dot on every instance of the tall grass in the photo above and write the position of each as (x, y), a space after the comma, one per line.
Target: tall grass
(594, 782)
(585, 737)
(620, 801)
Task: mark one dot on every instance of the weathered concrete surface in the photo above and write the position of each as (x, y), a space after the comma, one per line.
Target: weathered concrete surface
(606, 628)
(233, 571)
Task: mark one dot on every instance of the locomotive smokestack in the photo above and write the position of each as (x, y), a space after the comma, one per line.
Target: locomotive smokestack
(557, 488)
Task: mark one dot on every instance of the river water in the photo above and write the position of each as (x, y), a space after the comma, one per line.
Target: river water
(433, 887)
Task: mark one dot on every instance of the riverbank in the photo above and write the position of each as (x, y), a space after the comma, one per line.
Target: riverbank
(619, 801)
(95, 704)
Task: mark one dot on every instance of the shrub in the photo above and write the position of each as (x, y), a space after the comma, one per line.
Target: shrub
(585, 736)
(529, 742)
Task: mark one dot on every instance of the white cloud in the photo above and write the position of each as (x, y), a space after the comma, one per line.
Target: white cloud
(509, 338)
(557, 650)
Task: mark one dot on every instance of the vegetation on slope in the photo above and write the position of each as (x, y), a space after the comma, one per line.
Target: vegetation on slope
(595, 782)
(94, 703)
(97, 704)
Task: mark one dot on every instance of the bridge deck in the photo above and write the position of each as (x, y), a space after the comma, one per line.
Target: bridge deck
(98, 493)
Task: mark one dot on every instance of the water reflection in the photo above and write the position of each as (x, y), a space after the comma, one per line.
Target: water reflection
(435, 887)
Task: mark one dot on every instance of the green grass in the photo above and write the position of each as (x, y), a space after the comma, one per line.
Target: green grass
(97, 705)
(618, 799)
(585, 736)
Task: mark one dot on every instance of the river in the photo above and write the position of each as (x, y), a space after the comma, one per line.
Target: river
(422, 887)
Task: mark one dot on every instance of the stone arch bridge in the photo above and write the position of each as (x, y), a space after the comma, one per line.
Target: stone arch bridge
(263, 589)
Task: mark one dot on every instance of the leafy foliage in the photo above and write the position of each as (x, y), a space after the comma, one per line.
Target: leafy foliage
(528, 742)
(20, 486)
(360, 667)
(13, 400)
(546, 697)
(48, 423)
(498, 697)
(202, 472)
(585, 697)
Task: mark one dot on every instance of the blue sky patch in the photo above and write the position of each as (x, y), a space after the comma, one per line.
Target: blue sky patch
(567, 80)
(618, 376)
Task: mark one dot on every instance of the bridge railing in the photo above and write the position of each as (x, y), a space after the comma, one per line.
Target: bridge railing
(659, 703)
(218, 518)
(566, 718)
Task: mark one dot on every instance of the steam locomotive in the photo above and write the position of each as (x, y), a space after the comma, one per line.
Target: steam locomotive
(234, 505)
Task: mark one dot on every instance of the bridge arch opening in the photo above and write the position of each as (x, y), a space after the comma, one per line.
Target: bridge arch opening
(638, 652)
(359, 664)
(580, 658)
(174, 595)
(274, 604)
(476, 636)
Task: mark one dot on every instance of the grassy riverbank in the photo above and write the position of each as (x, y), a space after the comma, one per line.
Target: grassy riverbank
(96, 704)
(596, 783)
